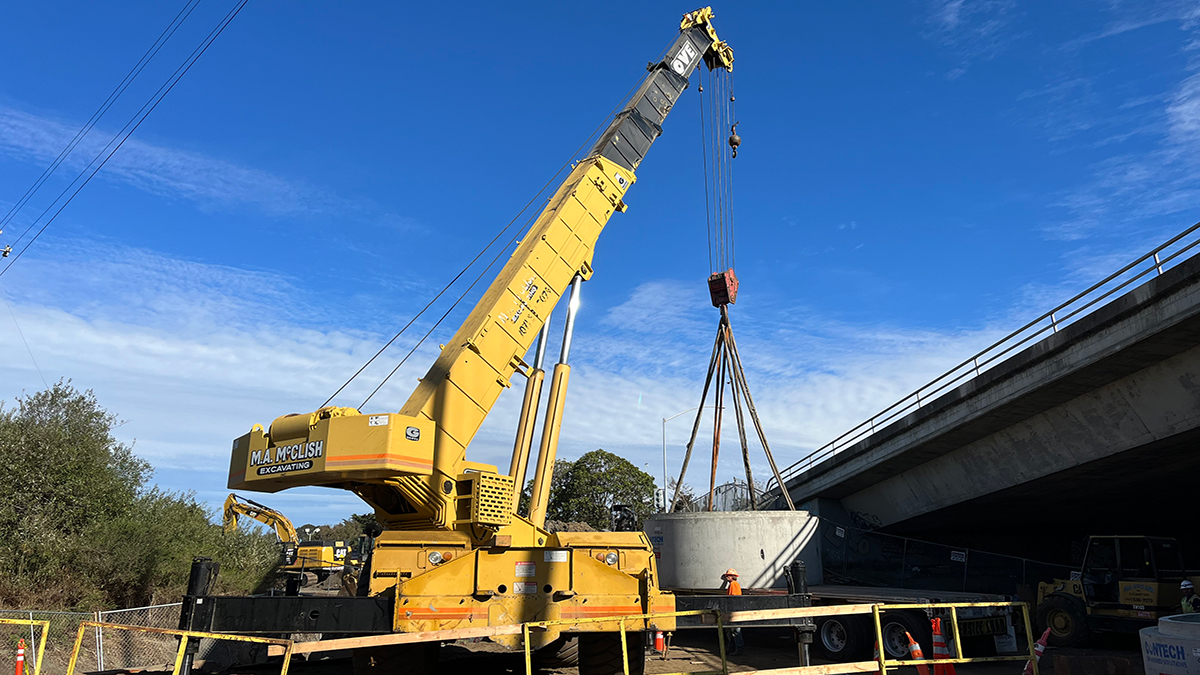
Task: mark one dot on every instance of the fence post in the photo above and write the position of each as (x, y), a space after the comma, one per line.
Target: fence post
(32, 640)
(99, 642)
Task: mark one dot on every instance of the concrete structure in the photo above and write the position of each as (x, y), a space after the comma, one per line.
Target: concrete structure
(1173, 646)
(1092, 430)
(694, 549)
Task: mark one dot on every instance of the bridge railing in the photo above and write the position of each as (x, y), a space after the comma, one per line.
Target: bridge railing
(1153, 262)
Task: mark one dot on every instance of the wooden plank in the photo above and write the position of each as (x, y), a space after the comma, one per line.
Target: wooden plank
(830, 669)
(398, 639)
(795, 613)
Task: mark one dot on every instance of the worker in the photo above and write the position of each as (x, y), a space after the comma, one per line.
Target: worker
(1191, 601)
(731, 587)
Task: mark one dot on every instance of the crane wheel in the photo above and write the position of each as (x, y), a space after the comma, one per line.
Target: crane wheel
(1066, 619)
(600, 653)
(418, 659)
(562, 653)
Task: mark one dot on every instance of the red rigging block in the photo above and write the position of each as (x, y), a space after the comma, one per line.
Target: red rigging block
(723, 287)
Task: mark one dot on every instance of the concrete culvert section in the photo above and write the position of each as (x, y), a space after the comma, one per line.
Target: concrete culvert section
(693, 549)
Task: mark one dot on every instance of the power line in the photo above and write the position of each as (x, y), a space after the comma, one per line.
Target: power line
(141, 64)
(131, 126)
(4, 296)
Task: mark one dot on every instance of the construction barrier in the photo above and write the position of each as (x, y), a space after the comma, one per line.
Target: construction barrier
(183, 636)
(885, 663)
(720, 620)
(41, 649)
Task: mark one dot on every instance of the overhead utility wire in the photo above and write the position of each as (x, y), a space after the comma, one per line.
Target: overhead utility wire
(132, 126)
(141, 64)
(20, 332)
(468, 266)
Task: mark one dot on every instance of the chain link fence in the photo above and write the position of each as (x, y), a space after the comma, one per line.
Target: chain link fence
(122, 649)
(860, 557)
(110, 649)
(60, 640)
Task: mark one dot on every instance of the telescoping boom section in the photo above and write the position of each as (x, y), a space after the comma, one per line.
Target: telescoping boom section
(453, 551)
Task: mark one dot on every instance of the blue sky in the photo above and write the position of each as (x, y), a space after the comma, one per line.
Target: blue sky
(916, 179)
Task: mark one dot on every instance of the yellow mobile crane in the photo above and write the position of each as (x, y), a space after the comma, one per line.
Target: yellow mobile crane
(318, 557)
(453, 552)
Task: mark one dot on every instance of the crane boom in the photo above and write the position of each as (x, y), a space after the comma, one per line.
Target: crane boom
(452, 552)
(411, 466)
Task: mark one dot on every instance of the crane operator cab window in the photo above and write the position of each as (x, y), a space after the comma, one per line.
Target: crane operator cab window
(1100, 569)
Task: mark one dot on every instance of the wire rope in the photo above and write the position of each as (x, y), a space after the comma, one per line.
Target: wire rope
(468, 266)
(132, 126)
(137, 69)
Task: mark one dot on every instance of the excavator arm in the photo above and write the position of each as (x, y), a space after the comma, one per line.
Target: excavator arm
(235, 506)
(411, 465)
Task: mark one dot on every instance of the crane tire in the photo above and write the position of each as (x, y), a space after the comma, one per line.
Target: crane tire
(562, 653)
(600, 653)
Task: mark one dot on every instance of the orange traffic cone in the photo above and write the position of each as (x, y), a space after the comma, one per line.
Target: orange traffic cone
(1038, 648)
(20, 657)
(915, 652)
(940, 651)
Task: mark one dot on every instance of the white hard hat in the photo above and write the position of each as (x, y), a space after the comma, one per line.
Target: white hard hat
(1186, 585)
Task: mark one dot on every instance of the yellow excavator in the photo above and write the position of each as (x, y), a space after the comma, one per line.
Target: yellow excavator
(317, 558)
(453, 551)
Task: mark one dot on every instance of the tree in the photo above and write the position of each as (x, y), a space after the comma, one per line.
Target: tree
(596, 482)
(561, 467)
(687, 502)
(79, 526)
(349, 530)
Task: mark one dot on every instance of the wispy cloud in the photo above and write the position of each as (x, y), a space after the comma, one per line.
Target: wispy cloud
(1134, 189)
(971, 29)
(209, 182)
(1132, 16)
(192, 355)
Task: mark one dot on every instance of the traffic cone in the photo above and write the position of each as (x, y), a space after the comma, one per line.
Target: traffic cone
(660, 645)
(20, 657)
(914, 650)
(1038, 648)
(940, 651)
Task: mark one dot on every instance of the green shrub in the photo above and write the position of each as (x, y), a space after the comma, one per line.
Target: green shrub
(80, 525)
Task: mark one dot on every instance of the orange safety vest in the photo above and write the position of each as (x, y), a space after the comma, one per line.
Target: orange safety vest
(734, 588)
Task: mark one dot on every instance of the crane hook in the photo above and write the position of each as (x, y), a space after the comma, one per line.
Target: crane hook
(734, 139)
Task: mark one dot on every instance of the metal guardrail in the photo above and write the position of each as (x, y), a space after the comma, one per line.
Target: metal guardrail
(1154, 262)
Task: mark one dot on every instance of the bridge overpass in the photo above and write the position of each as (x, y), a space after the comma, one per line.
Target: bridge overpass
(1085, 421)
